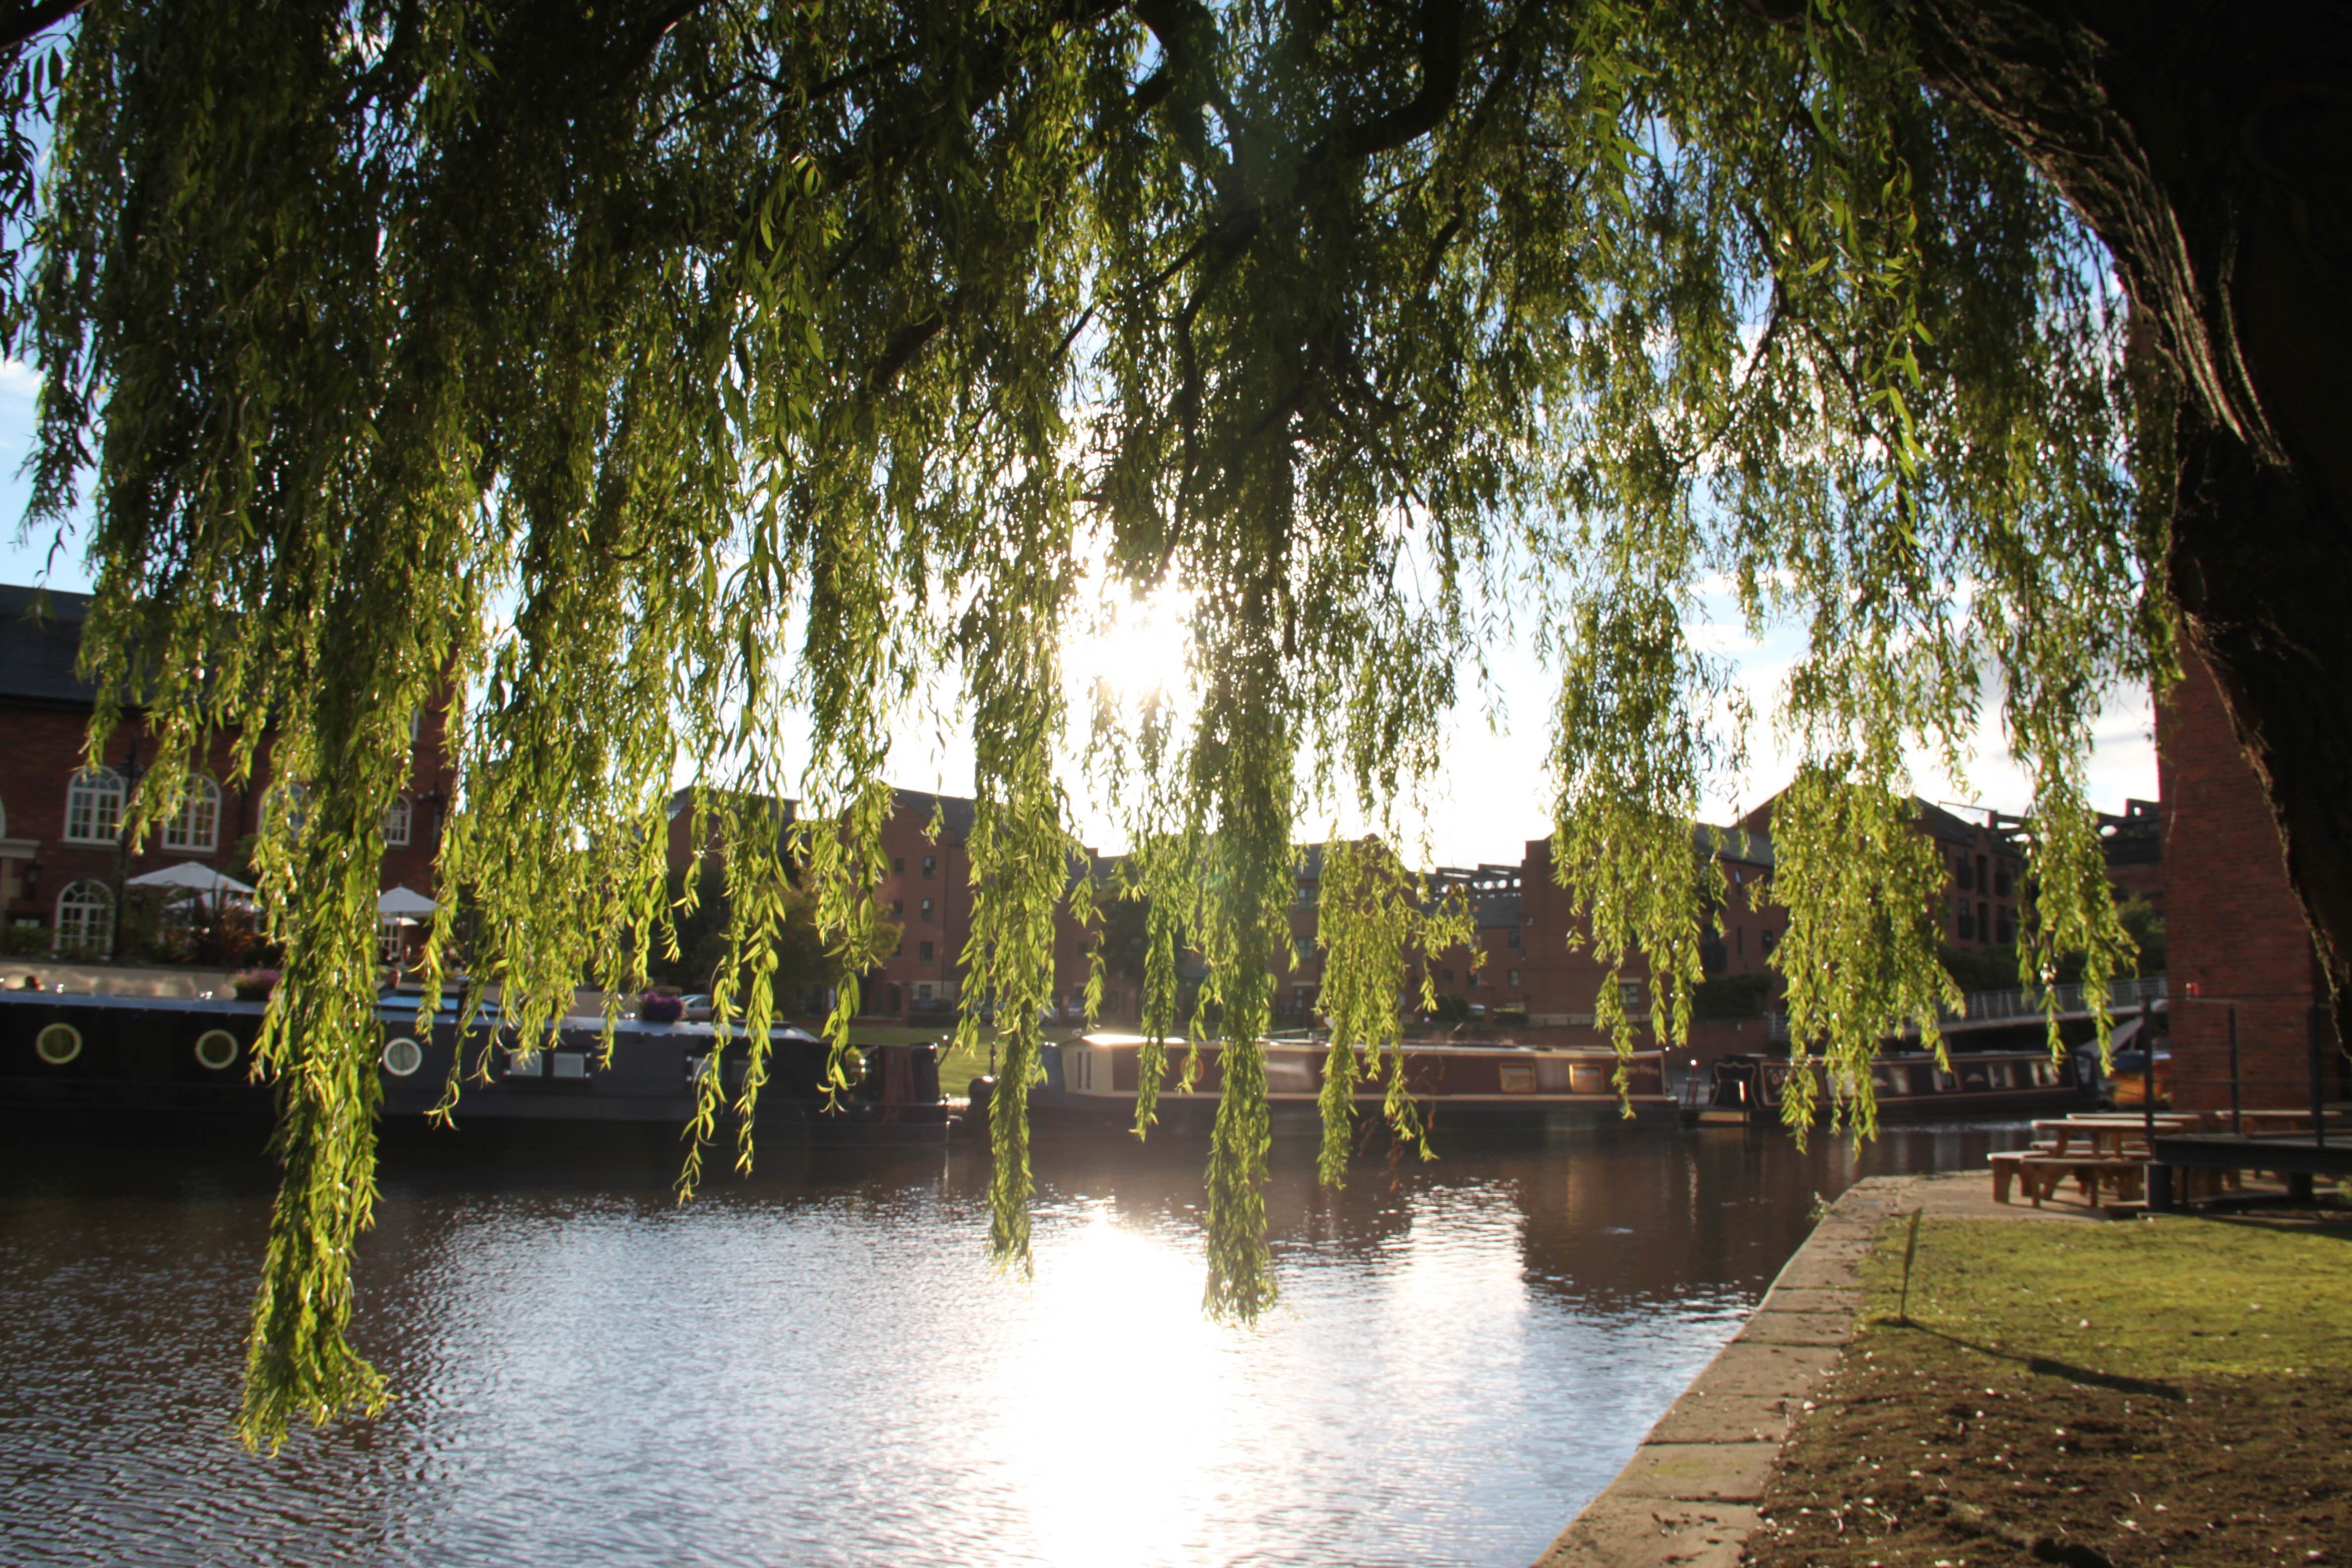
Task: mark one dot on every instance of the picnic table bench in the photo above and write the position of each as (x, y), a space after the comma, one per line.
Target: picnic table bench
(2093, 1150)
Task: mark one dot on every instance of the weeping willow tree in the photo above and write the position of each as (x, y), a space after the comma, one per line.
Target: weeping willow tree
(690, 390)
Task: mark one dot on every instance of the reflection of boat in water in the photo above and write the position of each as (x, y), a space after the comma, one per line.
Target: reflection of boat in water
(1462, 1090)
(87, 1057)
(1910, 1085)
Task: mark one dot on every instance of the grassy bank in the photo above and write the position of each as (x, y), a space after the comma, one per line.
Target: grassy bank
(2171, 1391)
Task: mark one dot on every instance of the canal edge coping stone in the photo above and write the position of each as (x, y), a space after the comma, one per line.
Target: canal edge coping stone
(1688, 1496)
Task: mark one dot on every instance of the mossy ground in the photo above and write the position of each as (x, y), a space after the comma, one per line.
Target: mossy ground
(2167, 1391)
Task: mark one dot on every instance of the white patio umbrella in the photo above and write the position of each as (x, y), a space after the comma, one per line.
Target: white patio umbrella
(189, 875)
(393, 902)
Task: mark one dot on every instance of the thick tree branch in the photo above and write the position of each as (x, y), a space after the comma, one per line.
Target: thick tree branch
(1441, 83)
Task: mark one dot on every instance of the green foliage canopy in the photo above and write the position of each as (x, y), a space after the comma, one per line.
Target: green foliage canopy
(659, 371)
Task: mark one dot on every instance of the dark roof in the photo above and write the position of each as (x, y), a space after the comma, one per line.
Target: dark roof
(1945, 825)
(37, 649)
(955, 810)
(1744, 845)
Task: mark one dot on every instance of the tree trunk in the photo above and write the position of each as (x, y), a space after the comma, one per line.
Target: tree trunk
(2209, 145)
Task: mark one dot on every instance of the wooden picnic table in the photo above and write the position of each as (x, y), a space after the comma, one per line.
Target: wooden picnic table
(2106, 1135)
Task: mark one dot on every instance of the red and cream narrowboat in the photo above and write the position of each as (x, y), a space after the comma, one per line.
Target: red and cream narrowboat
(1461, 1089)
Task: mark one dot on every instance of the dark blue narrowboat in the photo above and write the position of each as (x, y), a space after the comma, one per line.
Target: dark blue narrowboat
(132, 1060)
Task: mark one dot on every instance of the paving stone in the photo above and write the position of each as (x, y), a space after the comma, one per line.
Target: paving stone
(1728, 1418)
(1645, 1533)
(1811, 1299)
(1698, 1472)
(1818, 1271)
(1798, 1328)
(1749, 1370)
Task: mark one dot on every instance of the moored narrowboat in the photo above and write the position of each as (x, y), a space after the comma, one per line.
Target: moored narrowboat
(97, 1060)
(1909, 1086)
(1462, 1090)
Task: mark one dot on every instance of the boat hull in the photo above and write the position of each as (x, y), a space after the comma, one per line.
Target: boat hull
(77, 1062)
(1464, 1095)
(1910, 1087)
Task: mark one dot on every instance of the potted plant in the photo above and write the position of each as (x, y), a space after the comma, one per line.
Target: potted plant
(254, 984)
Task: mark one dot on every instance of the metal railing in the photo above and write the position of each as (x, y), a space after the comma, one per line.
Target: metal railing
(2130, 994)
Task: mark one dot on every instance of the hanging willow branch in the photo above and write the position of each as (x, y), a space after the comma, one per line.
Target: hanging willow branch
(649, 387)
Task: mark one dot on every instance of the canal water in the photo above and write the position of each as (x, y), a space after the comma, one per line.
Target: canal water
(819, 1365)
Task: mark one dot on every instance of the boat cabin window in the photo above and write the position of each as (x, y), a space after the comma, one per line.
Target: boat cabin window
(1588, 1077)
(1517, 1077)
(1891, 1080)
(1945, 1082)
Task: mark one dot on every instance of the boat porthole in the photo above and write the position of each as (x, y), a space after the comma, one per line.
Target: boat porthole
(403, 1057)
(58, 1043)
(217, 1049)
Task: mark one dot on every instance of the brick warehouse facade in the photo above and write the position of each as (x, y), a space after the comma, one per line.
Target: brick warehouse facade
(2236, 933)
(62, 866)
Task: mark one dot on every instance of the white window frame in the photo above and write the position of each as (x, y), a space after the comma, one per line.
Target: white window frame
(399, 819)
(194, 829)
(389, 942)
(82, 898)
(94, 806)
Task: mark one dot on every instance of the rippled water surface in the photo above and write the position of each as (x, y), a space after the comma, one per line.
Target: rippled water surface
(820, 1366)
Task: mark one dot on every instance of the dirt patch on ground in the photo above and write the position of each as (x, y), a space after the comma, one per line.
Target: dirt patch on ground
(1982, 1462)
(2048, 1403)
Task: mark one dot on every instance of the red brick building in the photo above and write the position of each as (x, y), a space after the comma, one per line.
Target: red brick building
(926, 890)
(1984, 896)
(63, 863)
(2236, 933)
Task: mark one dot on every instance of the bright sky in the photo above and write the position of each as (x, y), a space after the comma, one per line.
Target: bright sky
(1492, 798)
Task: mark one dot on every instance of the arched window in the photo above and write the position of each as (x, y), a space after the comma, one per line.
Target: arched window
(194, 829)
(396, 819)
(85, 920)
(94, 806)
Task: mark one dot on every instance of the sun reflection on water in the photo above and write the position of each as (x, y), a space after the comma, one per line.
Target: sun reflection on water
(1115, 1414)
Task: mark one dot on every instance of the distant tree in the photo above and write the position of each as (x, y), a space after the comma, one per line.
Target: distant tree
(701, 933)
(658, 366)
